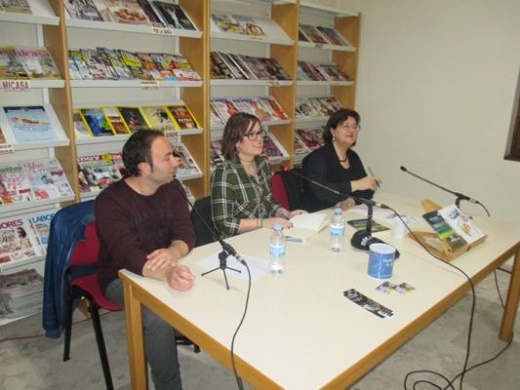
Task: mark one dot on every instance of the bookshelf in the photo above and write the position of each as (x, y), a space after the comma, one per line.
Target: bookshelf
(50, 26)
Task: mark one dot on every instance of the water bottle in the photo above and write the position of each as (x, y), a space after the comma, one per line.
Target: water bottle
(277, 244)
(337, 230)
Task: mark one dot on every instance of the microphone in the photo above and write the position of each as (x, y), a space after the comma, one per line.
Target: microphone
(457, 194)
(227, 247)
(361, 239)
(368, 202)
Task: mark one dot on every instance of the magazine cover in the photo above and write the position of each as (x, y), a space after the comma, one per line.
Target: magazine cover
(272, 149)
(126, 11)
(11, 67)
(31, 123)
(159, 119)
(80, 61)
(184, 117)
(17, 6)
(98, 171)
(163, 66)
(149, 67)
(216, 154)
(214, 118)
(133, 118)
(311, 137)
(224, 108)
(249, 26)
(188, 165)
(226, 23)
(16, 240)
(98, 66)
(80, 128)
(15, 186)
(304, 108)
(48, 180)
(38, 63)
(312, 34)
(331, 35)
(115, 121)
(21, 293)
(111, 56)
(96, 121)
(40, 224)
(174, 15)
(299, 146)
(272, 105)
(83, 9)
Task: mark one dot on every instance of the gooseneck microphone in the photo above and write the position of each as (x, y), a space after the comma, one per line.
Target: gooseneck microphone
(227, 247)
(458, 195)
(360, 239)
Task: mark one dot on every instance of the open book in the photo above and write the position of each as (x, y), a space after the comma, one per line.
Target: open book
(306, 225)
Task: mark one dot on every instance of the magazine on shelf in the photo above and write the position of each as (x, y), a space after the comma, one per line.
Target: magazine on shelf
(16, 6)
(299, 146)
(183, 116)
(17, 240)
(153, 15)
(221, 66)
(96, 122)
(310, 71)
(38, 63)
(305, 109)
(311, 137)
(188, 165)
(80, 128)
(127, 12)
(274, 108)
(214, 118)
(274, 68)
(239, 64)
(21, 293)
(133, 118)
(115, 121)
(174, 15)
(80, 62)
(224, 108)
(133, 63)
(312, 34)
(331, 35)
(249, 26)
(181, 67)
(11, 67)
(231, 64)
(216, 154)
(164, 66)
(30, 124)
(48, 180)
(98, 171)
(322, 109)
(216, 68)
(226, 23)
(331, 72)
(83, 9)
(97, 65)
(149, 67)
(255, 67)
(111, 56)
(159, 119)
(254, 107)
(40, 223)
(273, 150)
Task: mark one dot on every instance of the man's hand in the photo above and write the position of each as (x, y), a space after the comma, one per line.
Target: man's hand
(180, 278)
(162, 259)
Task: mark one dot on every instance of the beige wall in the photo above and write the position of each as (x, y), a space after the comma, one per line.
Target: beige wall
(436, 86)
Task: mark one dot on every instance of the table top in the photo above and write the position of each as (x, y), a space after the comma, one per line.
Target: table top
(300, 330)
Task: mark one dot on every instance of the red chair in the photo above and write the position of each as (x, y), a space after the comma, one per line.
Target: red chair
(278, 189)
(287, 187)
(83, 284)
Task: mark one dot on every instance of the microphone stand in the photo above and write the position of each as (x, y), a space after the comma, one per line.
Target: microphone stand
(227, 249)
(222, 256)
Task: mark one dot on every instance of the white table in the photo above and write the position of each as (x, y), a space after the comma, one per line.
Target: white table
(300, 332)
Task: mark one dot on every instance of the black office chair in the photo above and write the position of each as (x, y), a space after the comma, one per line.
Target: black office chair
(201, 219)
(287, 188)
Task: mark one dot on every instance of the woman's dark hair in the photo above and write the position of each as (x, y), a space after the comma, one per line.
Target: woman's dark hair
(237, 126)
(138, 149)
(336, 119)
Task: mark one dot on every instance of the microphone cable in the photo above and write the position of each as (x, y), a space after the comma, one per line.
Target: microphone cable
(466, 368)
(226, 247)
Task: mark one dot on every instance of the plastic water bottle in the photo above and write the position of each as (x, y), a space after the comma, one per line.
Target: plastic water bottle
(337, 230)
(277, 244)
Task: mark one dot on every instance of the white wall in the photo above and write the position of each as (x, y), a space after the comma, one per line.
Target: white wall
(436, 85)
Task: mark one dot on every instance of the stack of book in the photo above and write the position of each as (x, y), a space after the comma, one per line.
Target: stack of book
(21, 294)
(266, 108)
(244, 67)
(27, 63)
(33, 181)
(117, 64)
(321, 35)
(140, 12)
(121, 120)
(320, 72)
(313, 107)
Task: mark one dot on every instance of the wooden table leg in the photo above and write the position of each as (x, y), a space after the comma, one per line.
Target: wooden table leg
(134, 330)
(513, 293)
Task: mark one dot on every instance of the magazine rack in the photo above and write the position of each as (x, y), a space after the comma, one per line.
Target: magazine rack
(437, 246)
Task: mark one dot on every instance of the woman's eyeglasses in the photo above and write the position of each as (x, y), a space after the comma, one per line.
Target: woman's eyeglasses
(251, 136)
(350, 127)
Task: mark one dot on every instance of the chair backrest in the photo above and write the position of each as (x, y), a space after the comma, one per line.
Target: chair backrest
(287, 188)
(86, 249)
(201, 217)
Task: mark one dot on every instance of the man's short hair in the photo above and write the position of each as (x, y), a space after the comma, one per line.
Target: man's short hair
(137, 149)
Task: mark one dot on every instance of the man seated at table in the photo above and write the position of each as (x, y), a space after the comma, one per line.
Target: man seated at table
(144, 226)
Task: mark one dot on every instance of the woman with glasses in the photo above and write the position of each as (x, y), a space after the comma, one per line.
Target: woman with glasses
(241, 197)
(336, 166)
